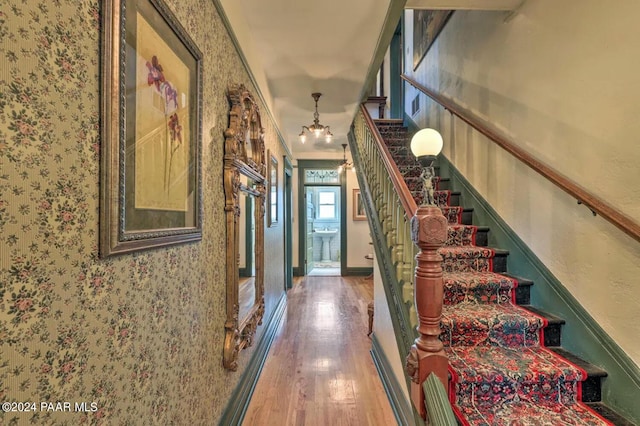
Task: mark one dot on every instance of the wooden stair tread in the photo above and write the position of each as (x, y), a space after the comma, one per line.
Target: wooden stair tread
(609, 414)
(592, 370)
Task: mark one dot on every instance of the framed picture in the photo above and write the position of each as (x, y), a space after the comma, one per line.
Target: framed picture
(151, 192)
(272, 200)
(358, 207)
(427, 24)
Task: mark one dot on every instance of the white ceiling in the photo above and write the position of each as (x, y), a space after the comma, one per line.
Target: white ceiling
(464, 4)
(297, 47)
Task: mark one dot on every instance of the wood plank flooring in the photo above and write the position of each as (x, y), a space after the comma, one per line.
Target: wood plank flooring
(319, 370)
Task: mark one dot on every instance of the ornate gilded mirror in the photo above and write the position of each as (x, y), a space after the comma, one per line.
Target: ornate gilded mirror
(244, 188)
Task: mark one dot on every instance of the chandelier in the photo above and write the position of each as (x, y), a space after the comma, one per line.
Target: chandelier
(344, 165)
(316, 128)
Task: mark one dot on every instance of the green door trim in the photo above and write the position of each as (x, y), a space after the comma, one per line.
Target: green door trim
(288, 225)
(303, 165)
(396, 95)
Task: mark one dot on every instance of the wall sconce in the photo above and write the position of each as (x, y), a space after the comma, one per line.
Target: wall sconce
(426, 145)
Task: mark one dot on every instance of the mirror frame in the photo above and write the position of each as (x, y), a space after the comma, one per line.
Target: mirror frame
(245, 128)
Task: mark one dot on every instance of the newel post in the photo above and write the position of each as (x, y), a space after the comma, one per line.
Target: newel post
(429, 233)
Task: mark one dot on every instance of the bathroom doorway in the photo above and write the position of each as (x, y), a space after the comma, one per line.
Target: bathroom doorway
(323, 230)
(322, 242)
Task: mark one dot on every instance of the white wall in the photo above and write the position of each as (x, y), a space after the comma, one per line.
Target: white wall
(358, 236)
(561, 79)
(384, 333)
(386, 64)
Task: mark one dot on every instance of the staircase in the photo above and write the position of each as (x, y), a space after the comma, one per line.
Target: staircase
(506, 362)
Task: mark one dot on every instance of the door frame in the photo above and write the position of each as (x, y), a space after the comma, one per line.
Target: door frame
(396, 94)
(302, 210)
(308, 234)
(288, 223)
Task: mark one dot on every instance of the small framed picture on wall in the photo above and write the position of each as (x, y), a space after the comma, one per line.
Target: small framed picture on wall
(358, 207)
(272, 191)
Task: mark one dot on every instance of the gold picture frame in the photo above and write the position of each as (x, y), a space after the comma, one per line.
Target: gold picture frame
(151, 125)
(272, 194)
(358, 206)
(427, 25)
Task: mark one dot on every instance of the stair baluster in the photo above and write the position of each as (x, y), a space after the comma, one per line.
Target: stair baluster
(395, 209)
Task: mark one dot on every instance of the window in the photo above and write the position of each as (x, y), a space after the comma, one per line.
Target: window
(321, 176)
(327, 205)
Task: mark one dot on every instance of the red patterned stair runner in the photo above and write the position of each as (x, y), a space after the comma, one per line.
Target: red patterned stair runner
(501, 372)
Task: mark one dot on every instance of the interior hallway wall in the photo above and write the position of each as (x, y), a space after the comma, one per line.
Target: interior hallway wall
(142, 334)
(560, 78)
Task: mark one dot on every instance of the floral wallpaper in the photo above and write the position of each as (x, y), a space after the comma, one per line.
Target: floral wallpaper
(136, 338)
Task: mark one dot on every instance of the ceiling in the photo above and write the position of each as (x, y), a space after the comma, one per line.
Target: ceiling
(296, 47)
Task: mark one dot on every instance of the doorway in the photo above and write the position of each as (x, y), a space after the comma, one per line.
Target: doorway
(323, 230)
(322, 226)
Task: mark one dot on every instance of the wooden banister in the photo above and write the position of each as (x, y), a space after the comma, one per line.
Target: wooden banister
(389, 224)
(595, 204)
(408, 203)
(380, 101)
(428, 231)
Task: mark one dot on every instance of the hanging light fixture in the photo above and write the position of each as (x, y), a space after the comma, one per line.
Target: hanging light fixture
(345, 164)
(316, 128)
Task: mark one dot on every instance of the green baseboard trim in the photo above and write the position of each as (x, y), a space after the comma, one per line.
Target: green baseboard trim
(359, 271)
(350, 271)
(581, 335)
(239, 402)
(402, 408)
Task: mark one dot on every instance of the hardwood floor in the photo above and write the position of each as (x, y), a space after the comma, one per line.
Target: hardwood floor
(319, 370)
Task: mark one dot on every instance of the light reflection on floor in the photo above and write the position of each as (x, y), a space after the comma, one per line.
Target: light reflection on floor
(326, 317)
(324, 272)
(323, 364)
(341, 390)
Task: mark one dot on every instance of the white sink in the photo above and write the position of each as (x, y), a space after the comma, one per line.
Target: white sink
(326, 236)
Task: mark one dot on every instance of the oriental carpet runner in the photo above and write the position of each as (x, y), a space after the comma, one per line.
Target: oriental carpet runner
(501, 372)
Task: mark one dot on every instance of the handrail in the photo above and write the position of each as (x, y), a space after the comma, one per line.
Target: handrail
(390, 227)
(408, 203)
(406, 239)
(595, 204)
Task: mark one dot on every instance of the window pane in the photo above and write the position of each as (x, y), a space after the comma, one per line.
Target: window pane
(326, 212)
(321, 176)
(327, 197)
